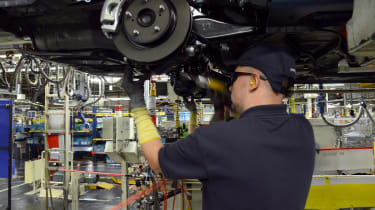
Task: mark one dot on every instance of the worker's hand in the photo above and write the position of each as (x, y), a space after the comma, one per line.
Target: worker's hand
(190, 105)
(134, 89)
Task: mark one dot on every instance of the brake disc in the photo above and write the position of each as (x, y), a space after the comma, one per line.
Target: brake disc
(151, 30)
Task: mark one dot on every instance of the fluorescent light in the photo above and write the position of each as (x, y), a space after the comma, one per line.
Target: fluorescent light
(117, 99)
(109, 79)
(334, 85)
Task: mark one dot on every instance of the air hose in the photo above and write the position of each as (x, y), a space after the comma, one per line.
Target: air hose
(363, 107)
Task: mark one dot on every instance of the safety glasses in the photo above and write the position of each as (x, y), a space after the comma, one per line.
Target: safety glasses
(235, 75)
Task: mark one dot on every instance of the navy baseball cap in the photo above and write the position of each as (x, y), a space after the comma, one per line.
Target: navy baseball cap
(274, 62)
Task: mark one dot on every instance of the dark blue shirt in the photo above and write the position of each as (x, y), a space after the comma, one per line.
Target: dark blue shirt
(264, 160)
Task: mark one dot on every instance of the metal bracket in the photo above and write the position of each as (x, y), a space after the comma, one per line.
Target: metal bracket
(210, 28)
(110, 16)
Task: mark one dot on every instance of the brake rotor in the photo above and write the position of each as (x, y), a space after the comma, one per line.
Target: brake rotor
(152, 30)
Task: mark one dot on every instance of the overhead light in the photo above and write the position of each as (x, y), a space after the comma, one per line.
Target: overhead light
(334, 85)
(117, 99)
(109, 79)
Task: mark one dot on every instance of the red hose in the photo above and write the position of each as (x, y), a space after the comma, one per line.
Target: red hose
(183, 193)
(138, 195)
(164, 195)
(174, 198)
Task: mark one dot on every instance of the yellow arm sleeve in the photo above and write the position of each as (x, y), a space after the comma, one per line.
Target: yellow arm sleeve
(146, 129)
(193, 118)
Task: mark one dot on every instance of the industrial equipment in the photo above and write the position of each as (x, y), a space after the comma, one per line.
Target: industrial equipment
(336, 153)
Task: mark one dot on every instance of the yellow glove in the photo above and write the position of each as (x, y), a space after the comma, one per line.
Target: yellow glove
(146, 129)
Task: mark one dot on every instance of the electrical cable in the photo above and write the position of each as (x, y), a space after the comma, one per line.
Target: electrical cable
(67, 73)
(28, 67)
(48, 78)
(17, 81)
(66, 81)
(58, 84)
(86, 90)
(18, 74)
(102, 84)
(39, 89)
(43, 81)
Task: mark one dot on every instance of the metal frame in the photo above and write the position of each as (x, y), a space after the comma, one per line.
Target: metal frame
(66, 151)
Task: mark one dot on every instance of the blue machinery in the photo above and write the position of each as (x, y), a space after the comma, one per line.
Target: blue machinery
(6, 107)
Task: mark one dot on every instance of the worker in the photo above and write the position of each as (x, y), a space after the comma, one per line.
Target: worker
(263, 160)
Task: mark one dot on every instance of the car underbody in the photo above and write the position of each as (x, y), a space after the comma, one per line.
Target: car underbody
(196, 37)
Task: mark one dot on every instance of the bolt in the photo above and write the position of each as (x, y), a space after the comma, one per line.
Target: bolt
(157, 28)
(162, 8)
(136, 32)
(128, 14)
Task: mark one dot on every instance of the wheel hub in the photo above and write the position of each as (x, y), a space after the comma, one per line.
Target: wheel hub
(151, 30)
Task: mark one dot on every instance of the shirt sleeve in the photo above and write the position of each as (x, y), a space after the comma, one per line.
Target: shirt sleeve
(184, 159)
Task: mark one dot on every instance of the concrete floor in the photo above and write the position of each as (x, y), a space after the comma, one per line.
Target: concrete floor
(93, 199)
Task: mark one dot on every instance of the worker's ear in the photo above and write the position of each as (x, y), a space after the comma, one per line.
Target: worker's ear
(254, 82)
